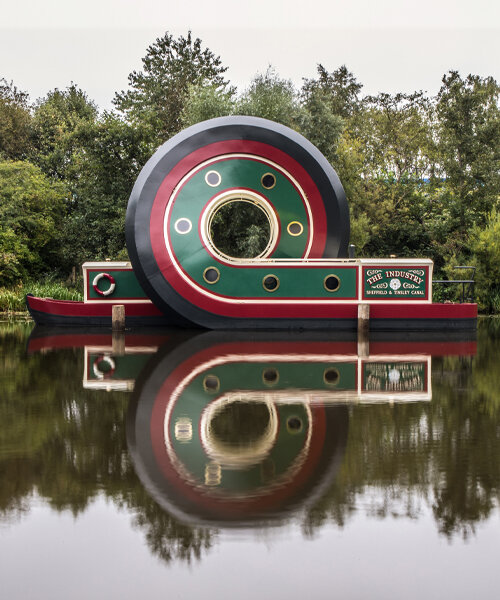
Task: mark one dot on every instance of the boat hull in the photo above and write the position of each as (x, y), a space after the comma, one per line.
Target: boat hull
(415, 317)
(69, 313)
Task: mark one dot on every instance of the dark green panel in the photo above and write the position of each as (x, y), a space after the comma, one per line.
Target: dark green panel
(294, 282)
(238, 173)
(127, 286)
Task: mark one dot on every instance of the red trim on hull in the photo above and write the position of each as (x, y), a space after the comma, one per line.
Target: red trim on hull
(423, 311)
(332, 311)
(72, 308)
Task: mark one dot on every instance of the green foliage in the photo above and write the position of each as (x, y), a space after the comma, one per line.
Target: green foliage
(205, 101)
(240, 230)
(15, 122)
(32, 209)
(157, 94)
(340, 90)
(271, 97)
(112, 155)
(484, 244)
(57, 120)
(469, 146)
(12, 299)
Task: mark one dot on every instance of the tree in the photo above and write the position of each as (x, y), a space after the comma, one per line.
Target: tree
(206, 101)
(469, 144)
(340, 90)
(32, 209)
(271, 97)
(56, 122)
(15, 122)
(112, 155)
(157, 94)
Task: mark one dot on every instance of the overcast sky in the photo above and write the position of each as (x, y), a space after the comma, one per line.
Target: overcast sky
(390, 45)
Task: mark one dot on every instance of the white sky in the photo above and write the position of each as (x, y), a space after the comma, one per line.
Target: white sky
(390, 45)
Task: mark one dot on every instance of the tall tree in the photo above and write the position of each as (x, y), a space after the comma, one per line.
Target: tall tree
(207, 101)
(32, 210)
(57, 120)
(469, 143)
(339, 88)
(15, 122)
(271, 97)
(157, 94)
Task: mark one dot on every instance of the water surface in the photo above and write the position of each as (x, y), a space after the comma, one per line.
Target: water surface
(252, 465)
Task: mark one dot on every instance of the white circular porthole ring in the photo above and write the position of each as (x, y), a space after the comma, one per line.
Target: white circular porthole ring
(183, 225)
(239, 196)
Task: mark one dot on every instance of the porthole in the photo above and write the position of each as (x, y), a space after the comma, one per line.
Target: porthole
(270, 376)
(213, 474)
(213, 178)
(331, 376)
(211, 275)
(183, 429)
(270, 283)
(331, 283)
(183, 225)
(295, 228)
(268, 181)
(211, 384)
(294, 425)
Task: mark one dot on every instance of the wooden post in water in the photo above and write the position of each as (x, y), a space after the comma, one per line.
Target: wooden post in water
(118, 317)
(363, 330)
(118, 328)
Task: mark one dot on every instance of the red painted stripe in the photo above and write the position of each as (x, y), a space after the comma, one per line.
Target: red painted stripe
(423, 311)
(94, 309)
(72, 340)
(304, 310)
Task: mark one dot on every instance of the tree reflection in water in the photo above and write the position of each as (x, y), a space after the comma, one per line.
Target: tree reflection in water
(68, 445)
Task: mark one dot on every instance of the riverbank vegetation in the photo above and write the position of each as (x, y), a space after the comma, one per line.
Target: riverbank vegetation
(421, 172)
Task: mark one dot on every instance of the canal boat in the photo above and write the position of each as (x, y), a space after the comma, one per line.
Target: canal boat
(300, 277)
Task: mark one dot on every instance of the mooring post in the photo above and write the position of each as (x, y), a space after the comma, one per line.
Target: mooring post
(118, 329)
(118, 317)
(363, 330)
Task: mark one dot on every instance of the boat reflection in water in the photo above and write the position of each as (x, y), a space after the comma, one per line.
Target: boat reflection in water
(233, 429)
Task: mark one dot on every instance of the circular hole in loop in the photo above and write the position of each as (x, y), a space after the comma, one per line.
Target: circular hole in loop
(331, 376)
(294, 424)
(268, 181)
(183, 225)
(240, 225)
(211, 275)
(270, 283)
(213, 178)
(270, 376)
(211, 384)
(295, 228)
(331, 283)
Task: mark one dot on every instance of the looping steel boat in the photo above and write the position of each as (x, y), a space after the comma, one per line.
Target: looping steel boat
(298, 277)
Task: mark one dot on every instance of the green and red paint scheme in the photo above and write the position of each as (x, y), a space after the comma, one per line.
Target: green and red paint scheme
(301, 279)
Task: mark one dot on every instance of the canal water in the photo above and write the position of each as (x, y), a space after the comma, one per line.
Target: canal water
(168, 464)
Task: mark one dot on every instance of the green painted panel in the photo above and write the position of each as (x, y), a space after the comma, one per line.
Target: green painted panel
(126, 367)
(294, 282)
(127, 286)
(401, 283)
(238, 173)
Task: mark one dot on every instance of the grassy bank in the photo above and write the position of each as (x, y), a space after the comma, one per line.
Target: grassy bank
(12, 299)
